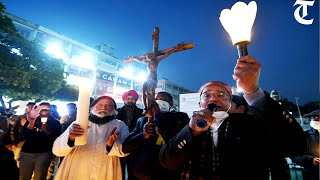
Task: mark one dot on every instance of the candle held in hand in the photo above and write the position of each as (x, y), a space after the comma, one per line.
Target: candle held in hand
(83, 111)
(44, 120)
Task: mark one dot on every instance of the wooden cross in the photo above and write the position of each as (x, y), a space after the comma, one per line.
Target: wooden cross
(152, 60)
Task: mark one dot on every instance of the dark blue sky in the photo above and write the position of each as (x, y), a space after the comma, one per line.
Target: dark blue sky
(288, 51)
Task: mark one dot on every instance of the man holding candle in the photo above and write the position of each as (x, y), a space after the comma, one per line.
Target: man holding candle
(99, 157)
(232, 145)
(39, 132)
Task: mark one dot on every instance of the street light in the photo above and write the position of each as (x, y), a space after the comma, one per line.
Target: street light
(141, 77)
(84, 60)
(56, 50)
(238, 22)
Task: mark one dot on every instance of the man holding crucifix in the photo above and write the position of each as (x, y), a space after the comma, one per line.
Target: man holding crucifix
(159, 124)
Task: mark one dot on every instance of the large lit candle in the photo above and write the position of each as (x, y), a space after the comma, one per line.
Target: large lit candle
(83, 110)
(238, 22)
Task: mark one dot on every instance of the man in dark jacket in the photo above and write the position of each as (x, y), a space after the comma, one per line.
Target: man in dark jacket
(233, 146)
(129, 114)
(145, 141)
(310, 160)
(40, 131)
(15, 137)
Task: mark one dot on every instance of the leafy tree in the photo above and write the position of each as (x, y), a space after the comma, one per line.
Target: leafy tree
(6, 23)
(26, 71)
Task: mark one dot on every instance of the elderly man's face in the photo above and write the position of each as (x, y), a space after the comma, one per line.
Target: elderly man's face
(130, 101)
(104, 107)
(216, 95)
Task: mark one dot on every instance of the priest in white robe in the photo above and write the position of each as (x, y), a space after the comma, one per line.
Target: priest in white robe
(98, 159)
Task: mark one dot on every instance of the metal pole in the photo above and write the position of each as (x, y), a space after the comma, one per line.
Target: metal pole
(301, 120)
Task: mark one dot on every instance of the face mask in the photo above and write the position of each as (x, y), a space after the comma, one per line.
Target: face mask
(220, 115)
(163, 105)
(315, 124)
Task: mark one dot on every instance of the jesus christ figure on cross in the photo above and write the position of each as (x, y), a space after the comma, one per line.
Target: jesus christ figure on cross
(151, 60)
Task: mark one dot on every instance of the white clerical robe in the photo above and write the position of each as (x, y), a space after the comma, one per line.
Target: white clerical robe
(92, 161)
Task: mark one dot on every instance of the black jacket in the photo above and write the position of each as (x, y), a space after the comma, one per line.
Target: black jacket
(247, 145)
(39, 141)
(14, 133)
(8, 166)
(144, 163)
(310, 171)
(137, 113)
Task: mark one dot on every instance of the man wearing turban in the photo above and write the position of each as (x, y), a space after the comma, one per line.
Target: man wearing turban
(129, 114)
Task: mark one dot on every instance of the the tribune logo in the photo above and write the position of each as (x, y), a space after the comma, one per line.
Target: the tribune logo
(303, 5)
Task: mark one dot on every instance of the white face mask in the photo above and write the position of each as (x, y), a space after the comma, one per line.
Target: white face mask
(163, 105)
(220, 115)
(315, 124)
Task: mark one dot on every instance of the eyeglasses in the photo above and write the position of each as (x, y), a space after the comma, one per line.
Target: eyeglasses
(219, 95)
(315, 117)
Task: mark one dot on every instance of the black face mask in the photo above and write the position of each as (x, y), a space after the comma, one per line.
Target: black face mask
(98, 120)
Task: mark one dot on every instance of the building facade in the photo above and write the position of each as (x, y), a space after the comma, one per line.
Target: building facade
(108, 74)
(174, 89)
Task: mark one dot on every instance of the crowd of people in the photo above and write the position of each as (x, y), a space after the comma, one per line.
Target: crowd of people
(244, 137)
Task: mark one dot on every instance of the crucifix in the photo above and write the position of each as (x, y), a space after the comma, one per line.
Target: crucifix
(152, 60)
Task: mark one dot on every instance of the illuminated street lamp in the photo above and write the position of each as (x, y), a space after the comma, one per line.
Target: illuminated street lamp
(238, 22)
(56, 50)
(141, 77)
(84, 60)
